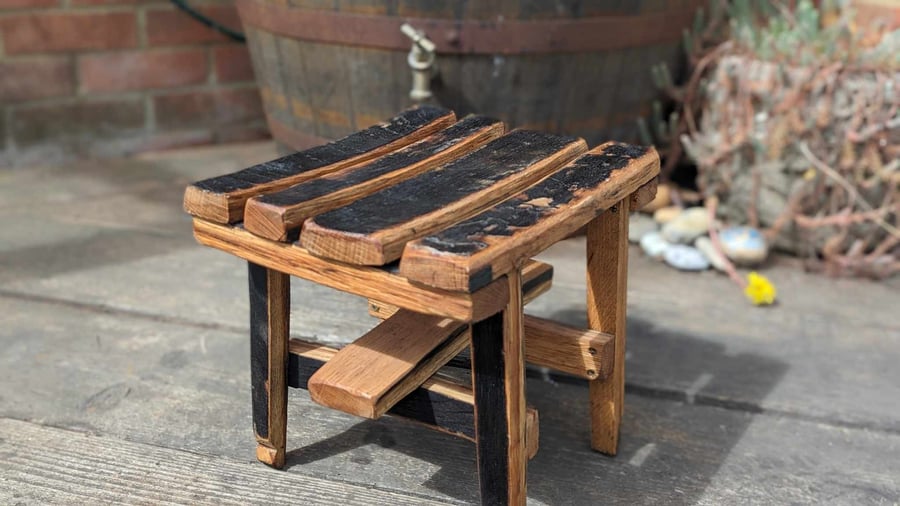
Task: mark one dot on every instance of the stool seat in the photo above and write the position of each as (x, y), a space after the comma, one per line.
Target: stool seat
(435, 221)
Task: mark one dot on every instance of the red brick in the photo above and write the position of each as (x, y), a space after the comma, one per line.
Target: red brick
(207, 108)
(233, 63)
(141, 70)
(27, 4)
(88, 3)
(166, 27)
(238, 106)
(76, 123)
(36, 78)
(56, 31)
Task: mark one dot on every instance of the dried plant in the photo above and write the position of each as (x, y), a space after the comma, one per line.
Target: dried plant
(791, 116)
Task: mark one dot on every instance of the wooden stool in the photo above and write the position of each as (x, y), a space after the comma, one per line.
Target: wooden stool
(463, 206)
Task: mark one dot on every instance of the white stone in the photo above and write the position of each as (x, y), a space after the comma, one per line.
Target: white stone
(654, 245)
(666, 214)
(716, 259)
(640, 225)
(687, 226)
(744, 245)
(685, 258)
(663, 198)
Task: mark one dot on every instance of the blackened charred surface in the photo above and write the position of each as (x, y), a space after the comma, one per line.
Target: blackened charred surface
(491, 428)
(410, 155)
(300, 369)
(421, 405)
(532, 284)
(525, 210)
(433, 190)
(434, 409)
(259, 347)
(481, 279)
(322, 156)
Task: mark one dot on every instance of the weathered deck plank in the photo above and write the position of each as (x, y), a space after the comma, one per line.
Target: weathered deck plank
(45, 465)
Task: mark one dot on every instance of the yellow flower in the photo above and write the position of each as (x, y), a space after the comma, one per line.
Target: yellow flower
(759, 289)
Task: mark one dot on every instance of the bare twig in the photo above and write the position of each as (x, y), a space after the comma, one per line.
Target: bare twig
(820, 165)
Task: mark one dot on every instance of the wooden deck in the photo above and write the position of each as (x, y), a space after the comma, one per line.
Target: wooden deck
(124, 373)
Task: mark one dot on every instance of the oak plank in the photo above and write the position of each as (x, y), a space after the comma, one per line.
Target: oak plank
(498, 378)
(374, 229)
(485, 247)
(644, 195)
(367, 377)
(269, 328)
(371, 282)
(221, 199)
(441, 402)
(584, 353)
(537, 278)
(607, 277)
(275, 215)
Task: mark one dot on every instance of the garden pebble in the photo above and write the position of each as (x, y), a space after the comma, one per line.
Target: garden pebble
(685, 258)
(654, 245)
(687, 226)
(666, 214)
(705, 245)
(663, 198)
(744, 245)
(640, 225)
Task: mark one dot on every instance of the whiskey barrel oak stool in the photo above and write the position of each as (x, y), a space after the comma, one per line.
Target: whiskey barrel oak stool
(435, 221)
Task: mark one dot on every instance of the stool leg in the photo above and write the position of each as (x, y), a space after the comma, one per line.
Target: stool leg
(607, 275)
(270, 303)
(498, 376)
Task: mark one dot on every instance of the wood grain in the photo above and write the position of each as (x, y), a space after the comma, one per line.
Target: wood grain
(588, 354)
(607, 276)
(221, 199)
(476, 251)
(374, 229)
(644, 195)
(276, 215)
(441, 402)
(537, 278)
(269, 329)
(367, 377)
(44, 465)
(371, 282)
(498, 376)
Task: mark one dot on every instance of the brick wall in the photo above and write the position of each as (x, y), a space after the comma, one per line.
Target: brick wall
(111, 77)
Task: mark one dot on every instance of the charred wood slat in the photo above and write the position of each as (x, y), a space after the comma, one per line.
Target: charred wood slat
(279, 215)
(373, 230)
(221, 199)
(475, 252)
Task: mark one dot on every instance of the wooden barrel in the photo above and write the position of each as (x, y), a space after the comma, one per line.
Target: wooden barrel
(327, 68)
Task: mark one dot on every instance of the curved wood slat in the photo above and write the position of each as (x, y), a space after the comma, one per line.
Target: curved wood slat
(472, 253)
(221, 199)
(373, 230)
(274, 215)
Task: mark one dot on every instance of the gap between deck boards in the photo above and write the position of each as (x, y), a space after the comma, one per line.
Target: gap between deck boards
(534, 373)
(62, 466)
